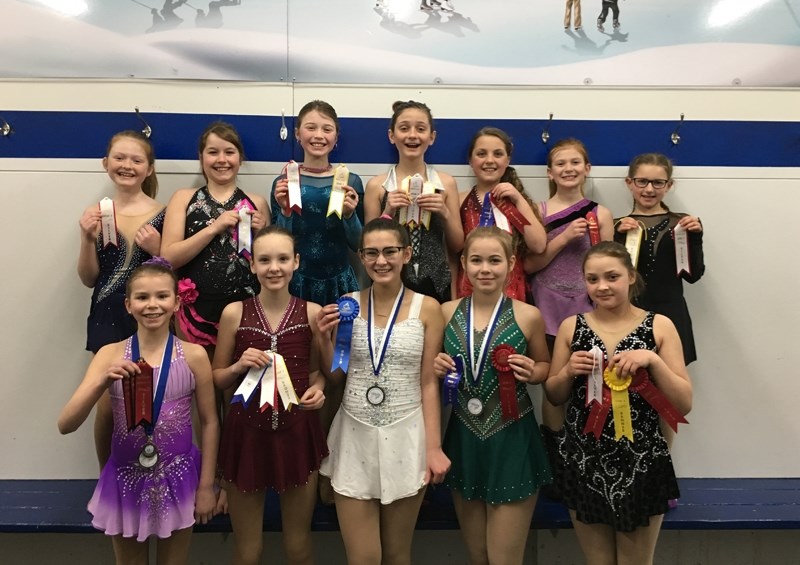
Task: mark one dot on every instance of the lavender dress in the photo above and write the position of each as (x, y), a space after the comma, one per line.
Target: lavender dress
(133, 501)
(558, 290)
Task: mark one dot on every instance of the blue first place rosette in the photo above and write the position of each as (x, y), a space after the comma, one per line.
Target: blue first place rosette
(348, 311)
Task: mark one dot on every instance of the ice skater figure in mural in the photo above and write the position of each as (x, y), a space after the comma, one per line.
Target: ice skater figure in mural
(171, 19)
(431, 5)
(612, 5)
(573, 6)
(158, 21)
(213, 16)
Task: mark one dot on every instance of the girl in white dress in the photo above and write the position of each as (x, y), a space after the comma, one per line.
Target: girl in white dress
(385, 443)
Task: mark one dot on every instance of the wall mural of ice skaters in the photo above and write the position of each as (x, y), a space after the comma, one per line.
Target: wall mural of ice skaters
(695, 43)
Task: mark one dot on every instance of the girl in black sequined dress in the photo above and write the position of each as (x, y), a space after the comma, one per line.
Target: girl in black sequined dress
(612, 466)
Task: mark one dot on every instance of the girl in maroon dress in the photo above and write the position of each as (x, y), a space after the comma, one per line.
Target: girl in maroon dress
(265, 446)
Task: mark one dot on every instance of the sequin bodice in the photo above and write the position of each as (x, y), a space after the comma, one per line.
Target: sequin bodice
(173, 430)
(118, 262)
(399, 374)
(219, 271)
(486, 386)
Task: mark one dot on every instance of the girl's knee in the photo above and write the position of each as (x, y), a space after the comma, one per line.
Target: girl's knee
(248, 551)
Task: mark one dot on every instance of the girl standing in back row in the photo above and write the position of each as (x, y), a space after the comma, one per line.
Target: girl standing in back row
(201, 239)
(432, 267)
(573, 224)
(649, 180)
(498, 186)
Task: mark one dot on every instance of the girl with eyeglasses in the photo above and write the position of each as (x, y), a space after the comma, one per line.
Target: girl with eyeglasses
(385, 442)
(649, 180)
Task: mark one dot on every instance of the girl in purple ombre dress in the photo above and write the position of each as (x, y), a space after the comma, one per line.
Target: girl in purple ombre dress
(156, 482)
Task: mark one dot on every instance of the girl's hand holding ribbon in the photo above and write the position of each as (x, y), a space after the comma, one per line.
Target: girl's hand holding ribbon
(259, 219)
(90, 224)
(120, 370)
(225, 221)
(250, 359)
(627, 224)
(580, 363)
(328, 319)
(442, 365)
(628, 362)
(522, 365)
(433, 202)
(350, 201)
(691, 223)
(394, 200)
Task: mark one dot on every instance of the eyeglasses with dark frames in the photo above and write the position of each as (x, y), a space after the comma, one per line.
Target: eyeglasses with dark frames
(658, 184)
(371, 253)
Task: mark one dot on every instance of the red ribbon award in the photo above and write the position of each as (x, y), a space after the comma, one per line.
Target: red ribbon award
(508, 385)
(655, 398)
(512, 213)
(138, 394)
(594, 227)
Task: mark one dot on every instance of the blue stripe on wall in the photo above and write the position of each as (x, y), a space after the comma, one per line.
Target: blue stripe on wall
(80, 135)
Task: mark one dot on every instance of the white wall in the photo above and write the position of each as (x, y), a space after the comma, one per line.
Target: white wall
(746, 384)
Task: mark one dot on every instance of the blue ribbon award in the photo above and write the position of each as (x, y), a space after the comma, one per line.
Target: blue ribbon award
(348, 311)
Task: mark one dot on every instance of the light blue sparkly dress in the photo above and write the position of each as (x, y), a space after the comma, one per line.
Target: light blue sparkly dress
(378, 452)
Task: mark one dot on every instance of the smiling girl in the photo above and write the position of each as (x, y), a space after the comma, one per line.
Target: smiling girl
(385, 443)
(325, 272)
(433, 247)
(557, 286)
(496, 347)
(135, 232)
(618, 477)
(498, 186)
(649, 180)
(200, 236)
(156, 483)
(270, 447)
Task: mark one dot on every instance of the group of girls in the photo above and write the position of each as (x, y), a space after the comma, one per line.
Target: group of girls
(444, 319)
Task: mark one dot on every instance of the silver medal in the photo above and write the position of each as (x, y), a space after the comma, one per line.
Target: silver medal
(475, 406)
(375, 395)
(148, 456)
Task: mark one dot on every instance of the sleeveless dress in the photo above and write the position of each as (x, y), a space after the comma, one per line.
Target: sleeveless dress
(378, 452)
(274, 449)
(558, 289)
(492, 460)
(663, 292)
(109, 321)
(133, 501)
(322, 241)
(470, 219)
(606, 481)
(428, 247)
(220, 274)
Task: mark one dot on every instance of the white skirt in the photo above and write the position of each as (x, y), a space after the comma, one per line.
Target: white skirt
(368, 462)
